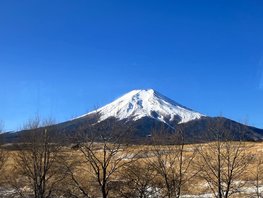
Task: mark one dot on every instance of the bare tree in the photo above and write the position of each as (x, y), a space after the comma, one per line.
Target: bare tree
(138, 181)
(258, 176)
(104, 155)
(3, 153)
(172, 163)
(37, 161)
(223, 162)
(1, 126)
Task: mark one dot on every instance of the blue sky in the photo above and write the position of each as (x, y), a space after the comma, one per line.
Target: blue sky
(62, 59)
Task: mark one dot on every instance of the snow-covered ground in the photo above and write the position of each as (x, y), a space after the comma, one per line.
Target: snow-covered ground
(245, 191)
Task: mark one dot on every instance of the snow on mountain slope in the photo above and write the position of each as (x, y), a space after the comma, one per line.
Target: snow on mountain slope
(146, 103)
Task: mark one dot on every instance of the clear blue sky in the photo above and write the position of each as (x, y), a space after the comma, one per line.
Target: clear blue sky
(63, 58)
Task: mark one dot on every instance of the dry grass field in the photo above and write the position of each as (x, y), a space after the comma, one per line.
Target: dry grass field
(140, 158)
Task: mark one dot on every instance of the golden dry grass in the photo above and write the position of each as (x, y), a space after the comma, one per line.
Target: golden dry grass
(196, 186)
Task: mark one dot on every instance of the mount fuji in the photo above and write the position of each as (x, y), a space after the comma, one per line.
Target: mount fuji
(140, 113)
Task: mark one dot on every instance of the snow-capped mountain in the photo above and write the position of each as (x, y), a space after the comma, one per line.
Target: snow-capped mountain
(138, 104)
(140, 113)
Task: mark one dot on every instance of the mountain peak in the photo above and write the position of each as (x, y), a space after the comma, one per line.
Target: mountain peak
(139, 91)
(140, 103)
